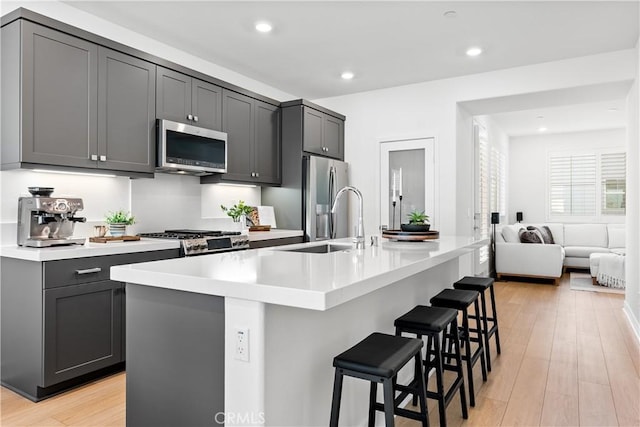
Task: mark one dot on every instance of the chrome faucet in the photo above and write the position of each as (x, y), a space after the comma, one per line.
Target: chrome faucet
(359, 239)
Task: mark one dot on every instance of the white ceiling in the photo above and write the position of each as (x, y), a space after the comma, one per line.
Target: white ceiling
(385, 44)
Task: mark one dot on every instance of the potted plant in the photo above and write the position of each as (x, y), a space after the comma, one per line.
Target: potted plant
(418, 222)
(118, 222)
(237, 211)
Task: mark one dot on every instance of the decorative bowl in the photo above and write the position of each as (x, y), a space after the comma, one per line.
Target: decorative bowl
(415, 227)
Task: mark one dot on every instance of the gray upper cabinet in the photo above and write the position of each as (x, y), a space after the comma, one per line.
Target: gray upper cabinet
(253, 145)
(313, 128)
(267, 146)
(185, 99)
(59, 98)
(126, 112)
(80, 105)
(323, 133)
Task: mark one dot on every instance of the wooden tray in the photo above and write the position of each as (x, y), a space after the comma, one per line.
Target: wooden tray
(260, 228)
(410, 235)
(107, 239)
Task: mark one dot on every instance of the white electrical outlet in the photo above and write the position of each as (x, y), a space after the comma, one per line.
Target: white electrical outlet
(242, 344)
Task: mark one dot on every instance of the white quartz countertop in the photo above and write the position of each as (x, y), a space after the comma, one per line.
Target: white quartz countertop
(87, 250)
(274, 233)
(304, 280)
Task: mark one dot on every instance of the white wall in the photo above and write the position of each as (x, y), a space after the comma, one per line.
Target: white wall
(528, 167)
(632, 272)
(430, 109)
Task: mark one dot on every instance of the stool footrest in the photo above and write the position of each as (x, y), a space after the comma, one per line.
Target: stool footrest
(400, 411)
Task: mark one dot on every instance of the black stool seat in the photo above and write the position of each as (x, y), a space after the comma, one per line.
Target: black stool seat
(454, 298)
(377, 359)
(481, 284)
(379, 354)
(472, 283)
(424, 318)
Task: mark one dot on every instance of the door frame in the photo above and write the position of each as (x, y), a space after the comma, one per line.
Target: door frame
(432, 196)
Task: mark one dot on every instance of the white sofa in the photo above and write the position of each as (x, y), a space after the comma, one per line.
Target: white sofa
(573, 244)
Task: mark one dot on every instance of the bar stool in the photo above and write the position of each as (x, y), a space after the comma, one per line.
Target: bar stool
(378, 358)
(461, 300)
(481, 284)
(432, 321)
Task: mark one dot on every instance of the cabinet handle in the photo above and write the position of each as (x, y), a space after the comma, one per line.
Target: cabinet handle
(189, 117)
(89, 270)
(94, 157)
(195, 118)
(103, 158)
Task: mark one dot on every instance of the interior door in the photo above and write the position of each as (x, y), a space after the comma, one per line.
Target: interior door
(416, 159)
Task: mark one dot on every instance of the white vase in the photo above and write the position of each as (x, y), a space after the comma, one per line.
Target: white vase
(117, 229)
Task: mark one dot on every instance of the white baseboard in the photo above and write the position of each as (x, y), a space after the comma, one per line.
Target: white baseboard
(633, 321)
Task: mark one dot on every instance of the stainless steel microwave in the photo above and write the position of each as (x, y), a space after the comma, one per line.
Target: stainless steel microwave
(188, 149)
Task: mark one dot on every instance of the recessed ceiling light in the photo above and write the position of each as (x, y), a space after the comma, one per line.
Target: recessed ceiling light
(474, 51)
(542, 129)
(263, 27)
(450, 14)
(540, 117)
(347, 75)
(612, 110)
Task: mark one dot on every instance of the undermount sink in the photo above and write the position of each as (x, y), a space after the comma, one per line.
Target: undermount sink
(321, 249)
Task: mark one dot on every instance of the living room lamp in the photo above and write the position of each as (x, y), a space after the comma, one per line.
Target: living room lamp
(495, 219)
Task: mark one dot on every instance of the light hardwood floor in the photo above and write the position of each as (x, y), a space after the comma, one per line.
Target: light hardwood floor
(569, 358)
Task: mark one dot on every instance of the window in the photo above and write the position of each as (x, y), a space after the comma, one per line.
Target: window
(614, 185)
(587, 184)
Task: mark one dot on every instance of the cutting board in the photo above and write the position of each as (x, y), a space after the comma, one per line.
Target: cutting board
(410, 235)
(110, 239)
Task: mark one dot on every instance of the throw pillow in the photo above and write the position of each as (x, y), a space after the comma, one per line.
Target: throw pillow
(549, 235)
(530, 236)
(510, 234)
(545, 232)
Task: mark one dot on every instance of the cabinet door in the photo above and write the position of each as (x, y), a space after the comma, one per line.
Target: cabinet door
(238, 123)
(267, 143)
(173, 96)
(126, 112)
(333, 133)
(312, 131)
(60, 90)
(82, 329)
(207, 105)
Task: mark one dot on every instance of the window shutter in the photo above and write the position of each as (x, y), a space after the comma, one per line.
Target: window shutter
(613, 183)
(572, 181)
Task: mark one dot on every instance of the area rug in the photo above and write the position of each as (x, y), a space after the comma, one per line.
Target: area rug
(583, 282)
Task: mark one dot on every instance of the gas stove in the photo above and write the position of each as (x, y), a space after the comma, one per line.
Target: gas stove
(201, 242)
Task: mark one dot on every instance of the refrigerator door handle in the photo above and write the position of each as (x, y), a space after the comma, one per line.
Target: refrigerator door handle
(332, 192)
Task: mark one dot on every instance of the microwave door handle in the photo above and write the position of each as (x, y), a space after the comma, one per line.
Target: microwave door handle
(332, 177)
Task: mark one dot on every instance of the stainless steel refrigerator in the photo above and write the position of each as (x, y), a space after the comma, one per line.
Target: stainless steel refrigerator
(322, 178)
(303, 201)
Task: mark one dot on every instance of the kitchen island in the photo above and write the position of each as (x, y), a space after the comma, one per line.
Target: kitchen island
(248, 338)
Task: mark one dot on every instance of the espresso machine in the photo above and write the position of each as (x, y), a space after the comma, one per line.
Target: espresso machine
(47, 221)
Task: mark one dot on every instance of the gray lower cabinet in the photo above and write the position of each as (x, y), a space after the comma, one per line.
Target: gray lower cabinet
(68, 102)
(253, 145)
(62, 322)
(83, 329)
(313, 128)
(185, 99)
